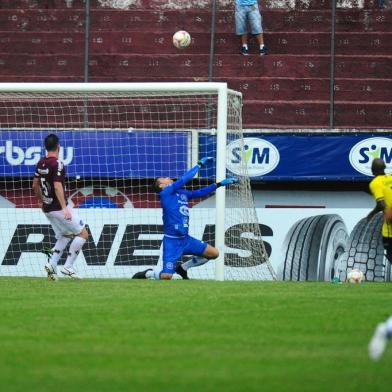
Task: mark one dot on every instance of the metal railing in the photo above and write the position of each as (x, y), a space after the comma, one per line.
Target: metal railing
(331, 124)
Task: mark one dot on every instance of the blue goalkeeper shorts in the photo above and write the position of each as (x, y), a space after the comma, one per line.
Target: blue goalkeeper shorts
(175, 248)
(248, 14)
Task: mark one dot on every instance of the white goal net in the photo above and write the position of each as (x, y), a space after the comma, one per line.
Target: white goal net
(115, 140)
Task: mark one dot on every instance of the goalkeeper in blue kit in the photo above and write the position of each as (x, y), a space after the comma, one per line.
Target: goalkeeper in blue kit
(175, 213)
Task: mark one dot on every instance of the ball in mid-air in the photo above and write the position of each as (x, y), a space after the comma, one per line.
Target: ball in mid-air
(181, 39)
(355, 276)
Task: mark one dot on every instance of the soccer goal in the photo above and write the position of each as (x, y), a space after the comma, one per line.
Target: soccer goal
(116, 138)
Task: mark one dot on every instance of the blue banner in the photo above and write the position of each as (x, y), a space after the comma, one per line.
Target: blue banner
(148, 154)
(304, 157)
(98, 153)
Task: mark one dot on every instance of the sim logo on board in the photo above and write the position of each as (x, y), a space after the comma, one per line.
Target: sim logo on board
(257, 155)
(363, 153)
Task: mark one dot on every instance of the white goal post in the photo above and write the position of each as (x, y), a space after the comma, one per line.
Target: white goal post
(121, 136)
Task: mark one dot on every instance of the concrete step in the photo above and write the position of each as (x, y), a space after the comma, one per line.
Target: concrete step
(67, 20)
(306, 66)
(273, 20)
(278, 20)
(161, 43)
(257, 114)
(303, 114)
(196, 66)
(278, 43)
(288, 88)
(366, 90)
(363, 114)
(41, 4)
(181, 5)
(364, 20)
(278, 89)
(155, 113)
(294, 66)
(265, 88)
(43, 78)
(42, 43)
(41, 65)
(349, 20)
(275, 89)
(282, 114)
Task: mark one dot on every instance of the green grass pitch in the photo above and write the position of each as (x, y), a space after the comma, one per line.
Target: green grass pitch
(127, 335)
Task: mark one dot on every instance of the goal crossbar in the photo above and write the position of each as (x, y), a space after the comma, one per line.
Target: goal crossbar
(188, 87)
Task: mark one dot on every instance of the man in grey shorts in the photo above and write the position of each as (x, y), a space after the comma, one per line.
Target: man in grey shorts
(247, 12)
(48, 186)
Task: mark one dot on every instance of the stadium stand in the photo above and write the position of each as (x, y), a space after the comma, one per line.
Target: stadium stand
(289, 88)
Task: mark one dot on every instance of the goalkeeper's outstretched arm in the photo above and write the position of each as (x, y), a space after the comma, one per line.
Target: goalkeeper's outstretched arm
(202, 192)
(184, 179)
(189, 174)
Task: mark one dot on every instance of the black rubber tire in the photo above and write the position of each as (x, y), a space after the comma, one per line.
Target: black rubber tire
(366, 251)
(312, 248)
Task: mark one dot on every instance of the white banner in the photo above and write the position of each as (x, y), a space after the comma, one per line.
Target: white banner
(127, 240)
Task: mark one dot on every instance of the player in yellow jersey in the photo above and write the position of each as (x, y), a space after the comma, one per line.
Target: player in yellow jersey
(381, 189)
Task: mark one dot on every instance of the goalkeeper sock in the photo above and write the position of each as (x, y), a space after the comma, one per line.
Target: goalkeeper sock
(58, 251)
(74, 250)
(150, 274)
(195, 261)
(153, 274)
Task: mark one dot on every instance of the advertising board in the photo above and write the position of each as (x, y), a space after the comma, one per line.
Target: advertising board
(303, 244)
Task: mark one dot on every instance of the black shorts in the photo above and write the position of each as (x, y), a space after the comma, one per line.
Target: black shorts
(387, 242)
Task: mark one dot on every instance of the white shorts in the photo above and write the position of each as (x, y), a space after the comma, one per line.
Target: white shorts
(63, 227)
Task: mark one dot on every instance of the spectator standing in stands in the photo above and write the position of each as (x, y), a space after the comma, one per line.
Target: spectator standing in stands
(247, 15)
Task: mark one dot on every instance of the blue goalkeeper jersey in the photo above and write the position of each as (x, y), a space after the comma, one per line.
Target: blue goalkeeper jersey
(174, 201)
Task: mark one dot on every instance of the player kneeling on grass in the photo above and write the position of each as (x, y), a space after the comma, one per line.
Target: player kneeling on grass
(176, 240)
(48, 186)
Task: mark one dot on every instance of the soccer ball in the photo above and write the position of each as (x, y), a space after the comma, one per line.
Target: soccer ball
(355, 276)
(181, 39)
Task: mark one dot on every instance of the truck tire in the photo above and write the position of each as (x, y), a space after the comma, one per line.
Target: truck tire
(312, 248)
(366, 251)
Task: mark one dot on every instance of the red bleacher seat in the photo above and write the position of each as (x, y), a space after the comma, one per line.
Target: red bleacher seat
(289, 88)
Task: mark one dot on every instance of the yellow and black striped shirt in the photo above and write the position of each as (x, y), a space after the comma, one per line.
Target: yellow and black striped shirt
(381, 189)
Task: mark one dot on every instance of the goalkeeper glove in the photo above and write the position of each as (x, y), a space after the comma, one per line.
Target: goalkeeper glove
(227, 181)
(204, 161)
